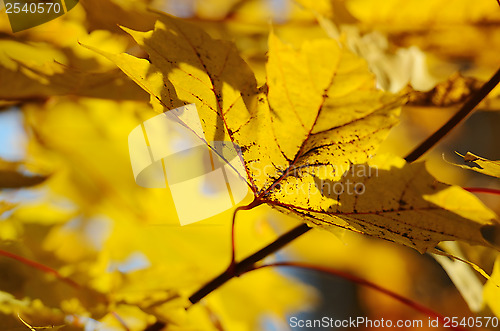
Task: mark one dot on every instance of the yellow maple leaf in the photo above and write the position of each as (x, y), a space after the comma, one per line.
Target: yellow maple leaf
(317, 119)
(399, 202)
(327, 98)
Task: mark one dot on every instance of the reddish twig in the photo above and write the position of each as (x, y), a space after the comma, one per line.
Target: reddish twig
(358, 280)
(248, 263)
(482, 189)
(40, 267)
(236, 269)
(120, 320)
(251, 205)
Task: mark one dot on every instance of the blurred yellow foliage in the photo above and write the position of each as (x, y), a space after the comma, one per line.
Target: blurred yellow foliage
(83, 247)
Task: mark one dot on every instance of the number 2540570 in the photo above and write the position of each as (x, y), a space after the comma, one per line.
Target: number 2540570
(32, 8)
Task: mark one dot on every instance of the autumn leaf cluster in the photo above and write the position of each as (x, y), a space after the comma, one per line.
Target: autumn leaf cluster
(309, 91)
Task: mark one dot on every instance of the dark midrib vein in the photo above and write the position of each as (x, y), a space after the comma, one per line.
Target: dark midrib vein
(289, 206)
(380, 214)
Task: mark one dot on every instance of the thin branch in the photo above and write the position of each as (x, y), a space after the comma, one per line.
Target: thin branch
(248, 263)
(237, 269)
(40, 267)
(120, 320)
(464, 111)
(482, 189)
(334, 272)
